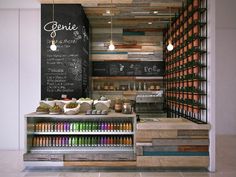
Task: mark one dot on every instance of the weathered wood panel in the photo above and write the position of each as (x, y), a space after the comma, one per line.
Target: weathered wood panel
(152, 134)
(100, 163)
(139, 150)
(192, 133)
(172, 161)
(155, 39)
(193, 148)
(158, 142)
(160, 148)
(43, 157)
(100, 156)
(96, 57)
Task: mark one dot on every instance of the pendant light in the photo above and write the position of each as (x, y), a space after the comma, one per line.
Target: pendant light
(170, 46)
(111, 45)
(53, 46)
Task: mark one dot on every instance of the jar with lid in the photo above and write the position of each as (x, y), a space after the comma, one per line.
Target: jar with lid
(118, 105)
(126, 108)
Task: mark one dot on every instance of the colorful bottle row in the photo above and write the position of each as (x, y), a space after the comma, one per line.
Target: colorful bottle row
(85, 141)
(84, 127)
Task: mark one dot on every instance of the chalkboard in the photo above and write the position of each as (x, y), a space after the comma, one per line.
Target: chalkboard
(128, 68)
(66, 70)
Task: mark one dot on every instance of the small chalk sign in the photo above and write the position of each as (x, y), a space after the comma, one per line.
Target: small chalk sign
(128, 68)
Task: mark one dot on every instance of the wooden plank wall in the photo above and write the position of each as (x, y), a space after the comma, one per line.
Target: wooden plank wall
(131, 44)
(172, 148)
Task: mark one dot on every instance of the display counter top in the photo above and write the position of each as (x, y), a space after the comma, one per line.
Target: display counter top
(81, 115)
(170, 124)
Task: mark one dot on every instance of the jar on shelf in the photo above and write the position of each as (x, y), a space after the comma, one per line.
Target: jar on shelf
(118, 105)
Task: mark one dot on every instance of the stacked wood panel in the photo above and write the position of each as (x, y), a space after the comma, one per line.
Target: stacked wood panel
(131, 44)
(172, 143)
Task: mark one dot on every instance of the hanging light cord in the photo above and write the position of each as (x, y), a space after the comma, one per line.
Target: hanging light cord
(53, 18)
(170, 24)
(53, 10)
(111, 20)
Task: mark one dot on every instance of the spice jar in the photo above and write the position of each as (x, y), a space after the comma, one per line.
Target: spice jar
(118, 105)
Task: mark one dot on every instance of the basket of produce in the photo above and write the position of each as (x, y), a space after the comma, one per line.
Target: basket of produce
(56, 109)
(42, 109)
(102, 104)
(85, 104)
(47, 103)
(71, 108)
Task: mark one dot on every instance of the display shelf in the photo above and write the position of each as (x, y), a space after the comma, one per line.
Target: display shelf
(186, 65)
(80, 133)
(103, 137)
(80, 149)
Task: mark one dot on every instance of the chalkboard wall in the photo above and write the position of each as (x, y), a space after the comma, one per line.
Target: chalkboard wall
(128, 68)
(66, 70)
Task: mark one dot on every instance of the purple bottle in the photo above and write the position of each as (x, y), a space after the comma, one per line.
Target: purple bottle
(105, 127)
(105, 141)
(102, 127)
(101, 142)
(67, 127)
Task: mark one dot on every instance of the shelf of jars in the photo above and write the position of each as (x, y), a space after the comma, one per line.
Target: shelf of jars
(186, 65)
(126, 87)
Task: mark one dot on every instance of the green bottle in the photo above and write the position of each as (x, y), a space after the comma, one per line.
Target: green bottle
(81, 127)
(70, 141)
(77, 126)
(73, 141)
(74, 127)
(89, 126)
(85, 141)
(80, 141)
(86, 127)
(89, 141)
(95, 141)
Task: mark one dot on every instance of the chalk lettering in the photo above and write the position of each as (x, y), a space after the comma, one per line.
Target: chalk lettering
(54, 26)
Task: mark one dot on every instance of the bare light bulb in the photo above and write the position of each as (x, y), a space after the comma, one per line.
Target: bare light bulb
(170, 47)
(53, 46)
(111, 46)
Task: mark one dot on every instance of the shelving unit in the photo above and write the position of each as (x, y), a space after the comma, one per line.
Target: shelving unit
(125, 86)
(80, 137)
(186, 65)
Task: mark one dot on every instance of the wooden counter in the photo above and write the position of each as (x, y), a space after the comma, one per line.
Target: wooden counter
(163, 142)
(172, 142)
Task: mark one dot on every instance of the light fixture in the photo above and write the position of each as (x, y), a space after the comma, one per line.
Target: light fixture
(149, 23)
(53, 46)
(108, 11)
(170, 47)
(111, 45)
(155, 12)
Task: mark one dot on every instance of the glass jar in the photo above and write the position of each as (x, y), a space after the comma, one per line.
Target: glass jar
(118, 105)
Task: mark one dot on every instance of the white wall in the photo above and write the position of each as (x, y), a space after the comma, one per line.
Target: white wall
(19, 72)
(19, 4)
(9, 79)
(30, 64)
(225, 67)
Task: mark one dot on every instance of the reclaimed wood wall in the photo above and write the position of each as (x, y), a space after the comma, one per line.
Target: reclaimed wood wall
(130, 44)
(173, 147)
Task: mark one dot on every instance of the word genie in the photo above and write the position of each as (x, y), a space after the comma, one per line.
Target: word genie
(54, 26)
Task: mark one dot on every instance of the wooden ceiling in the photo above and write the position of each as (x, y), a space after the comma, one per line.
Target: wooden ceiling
(127, 14)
